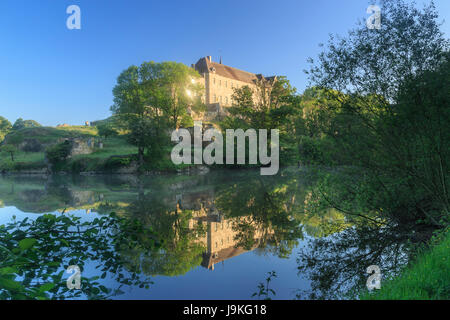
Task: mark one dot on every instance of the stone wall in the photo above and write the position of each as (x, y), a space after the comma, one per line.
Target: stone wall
(83, 145)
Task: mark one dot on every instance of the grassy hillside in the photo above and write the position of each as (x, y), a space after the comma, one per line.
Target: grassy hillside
(116, 153)
(51, 134)
(114, 146)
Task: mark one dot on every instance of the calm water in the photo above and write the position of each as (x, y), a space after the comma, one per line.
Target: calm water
(214, 236)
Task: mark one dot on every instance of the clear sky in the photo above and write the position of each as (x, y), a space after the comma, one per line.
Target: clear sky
(55, 75)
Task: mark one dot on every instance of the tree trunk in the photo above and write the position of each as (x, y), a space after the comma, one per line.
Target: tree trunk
(140, 156)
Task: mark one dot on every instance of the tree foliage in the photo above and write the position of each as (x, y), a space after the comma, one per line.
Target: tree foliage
(107, 129)
(5, 127)
(20, 124)
(34, 255)
(387, 110)
(152, 99)
(271, 104)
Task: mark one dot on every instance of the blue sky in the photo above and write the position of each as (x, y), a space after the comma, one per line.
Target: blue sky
(55, 75)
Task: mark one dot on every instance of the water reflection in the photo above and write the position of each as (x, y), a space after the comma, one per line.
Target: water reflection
(169, 225)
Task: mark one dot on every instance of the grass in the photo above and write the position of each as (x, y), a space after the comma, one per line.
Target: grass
(115, 154)
(426, 278)
(23, 160)
(51, 135)
(113, 146)
(80, 130)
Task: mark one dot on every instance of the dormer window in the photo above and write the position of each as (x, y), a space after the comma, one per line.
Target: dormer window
(213, 70)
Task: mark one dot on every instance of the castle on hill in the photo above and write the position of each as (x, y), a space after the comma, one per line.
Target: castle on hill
(219, 81)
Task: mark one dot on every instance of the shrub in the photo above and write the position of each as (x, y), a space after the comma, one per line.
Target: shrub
(79, 165)
(58, 153)
(20, 166)
(20, 124)
(32, 145)
(107, 129)
(116, 162)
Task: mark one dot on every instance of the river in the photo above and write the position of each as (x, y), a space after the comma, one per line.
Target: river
(214, 235)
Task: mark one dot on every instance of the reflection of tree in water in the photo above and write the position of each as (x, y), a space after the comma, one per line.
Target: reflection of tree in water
(358, 236)
(336, 265)
(217, 223)
(178, 252)
(263, 207)
(188, 217)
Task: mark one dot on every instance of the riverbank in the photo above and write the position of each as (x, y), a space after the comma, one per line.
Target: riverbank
(427, 277)
(89, 154)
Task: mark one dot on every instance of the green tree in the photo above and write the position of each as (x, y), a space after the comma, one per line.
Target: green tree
(152, 98)
(181, 90)
(58, 153)
(268, 106)
(272, 104)
(11, 146)
(11, 149)
(106, 130)
(389, 110)
(20, 124)
(5, 127)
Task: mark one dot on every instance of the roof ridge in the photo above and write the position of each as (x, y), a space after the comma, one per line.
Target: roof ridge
(220, 64)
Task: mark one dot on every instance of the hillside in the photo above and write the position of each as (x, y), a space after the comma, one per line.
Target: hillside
(31, 144)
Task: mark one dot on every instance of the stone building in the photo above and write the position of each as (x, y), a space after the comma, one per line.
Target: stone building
(220, 81)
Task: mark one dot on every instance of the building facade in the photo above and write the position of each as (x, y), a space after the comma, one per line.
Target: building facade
(220, 81)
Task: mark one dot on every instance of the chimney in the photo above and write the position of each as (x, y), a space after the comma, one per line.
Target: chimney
(208, 58)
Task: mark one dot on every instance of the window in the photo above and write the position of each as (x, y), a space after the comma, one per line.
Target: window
(226, 100)
(215, 98)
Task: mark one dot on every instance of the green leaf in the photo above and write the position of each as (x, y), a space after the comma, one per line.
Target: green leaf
(53, 264)
(27, 243)
(10, 284)
(46, 287)
(7, 270)
(104, 289)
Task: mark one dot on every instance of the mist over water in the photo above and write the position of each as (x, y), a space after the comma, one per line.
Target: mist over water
(216, 236)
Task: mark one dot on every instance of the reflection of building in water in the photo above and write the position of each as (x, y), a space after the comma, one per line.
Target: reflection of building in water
(220, 239)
